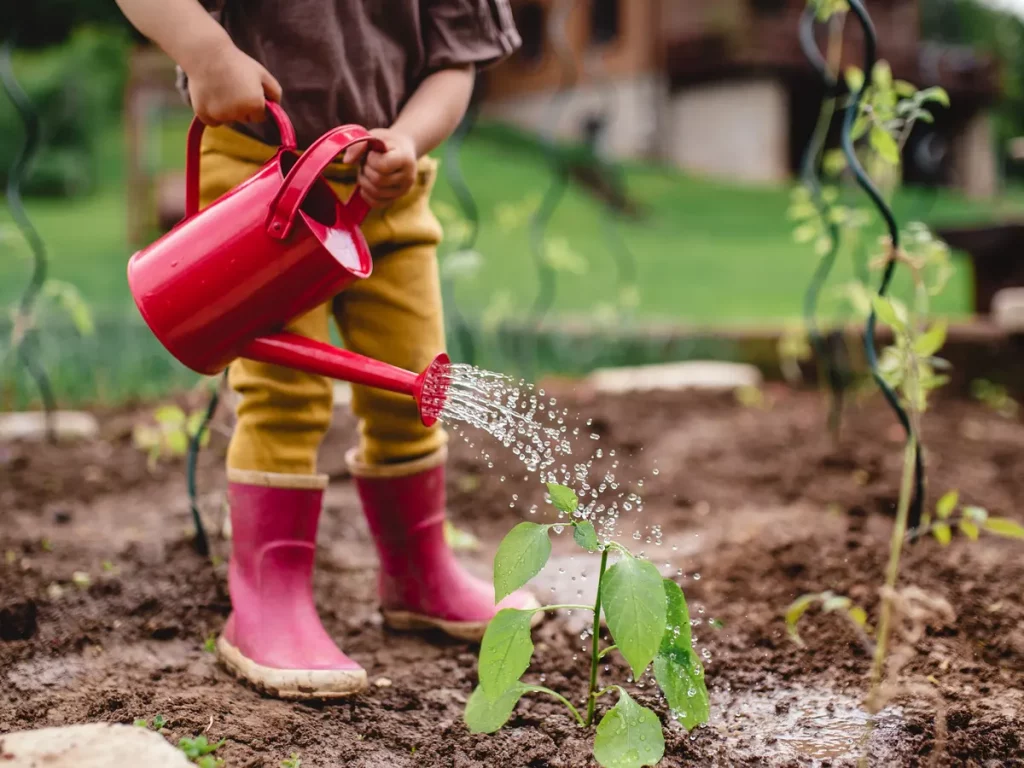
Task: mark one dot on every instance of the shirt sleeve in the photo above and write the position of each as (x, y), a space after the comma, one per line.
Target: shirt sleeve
(459, 32)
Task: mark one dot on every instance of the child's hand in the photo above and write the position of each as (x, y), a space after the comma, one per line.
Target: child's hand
(385, 176)
(227, 86)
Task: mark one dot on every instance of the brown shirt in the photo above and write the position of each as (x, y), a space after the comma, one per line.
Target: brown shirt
(359, 61)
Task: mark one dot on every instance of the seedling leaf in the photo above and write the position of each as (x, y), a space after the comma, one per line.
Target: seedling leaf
(505, 652)
(885, 145)
(1000, 526)
(886, 312)
(947, 504)
(969, 529)
(198, 747)
(563, 498)
(629, 736)
(586, 536)
(635, 606)
(486, 716)
(676, 667)
(836, 603)
(904, 89)
(976, 514)
(942, 533)
(677, 619)
(854, 78)
(859, 616)
(521, 555)
(936, 94)
(794, 613)
(927, 344)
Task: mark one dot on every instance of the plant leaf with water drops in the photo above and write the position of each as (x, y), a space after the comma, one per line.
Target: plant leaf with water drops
(635, 606)
(486, 716)
(682, 681)
(676, 667)
(677, 620)
(521, 555)
(585, 535)
(629, 736)
(563, 498)
(505, 652)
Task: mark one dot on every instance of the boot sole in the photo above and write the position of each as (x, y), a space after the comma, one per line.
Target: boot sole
(470, 632)
(292, 684)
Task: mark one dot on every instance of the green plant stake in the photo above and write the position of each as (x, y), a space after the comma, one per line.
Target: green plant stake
(647, 619)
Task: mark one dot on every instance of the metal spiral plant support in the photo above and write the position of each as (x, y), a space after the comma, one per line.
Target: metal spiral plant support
(870, 59)
(195, 443)
(26, 339)
(809, 176)
(464, 196)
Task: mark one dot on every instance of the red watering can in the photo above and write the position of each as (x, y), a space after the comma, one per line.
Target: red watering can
(225, 281)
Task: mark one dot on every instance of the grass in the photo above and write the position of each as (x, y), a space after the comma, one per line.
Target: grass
(705, 252)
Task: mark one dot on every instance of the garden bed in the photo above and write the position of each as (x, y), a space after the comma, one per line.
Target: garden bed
(756, 507)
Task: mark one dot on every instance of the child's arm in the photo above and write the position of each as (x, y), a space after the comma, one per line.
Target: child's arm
(224, 84)
(428, 118)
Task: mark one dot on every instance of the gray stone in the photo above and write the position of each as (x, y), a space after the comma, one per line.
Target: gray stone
(98, 745)
(1008, 309)
(31, 425)
(676, 376)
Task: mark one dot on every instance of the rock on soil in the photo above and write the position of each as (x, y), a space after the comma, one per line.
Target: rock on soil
(98, 745)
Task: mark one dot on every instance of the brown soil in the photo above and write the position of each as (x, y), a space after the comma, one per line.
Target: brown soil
(755, 507)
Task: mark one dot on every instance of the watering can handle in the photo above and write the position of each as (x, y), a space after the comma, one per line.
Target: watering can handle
(195, 135)
(307, 170)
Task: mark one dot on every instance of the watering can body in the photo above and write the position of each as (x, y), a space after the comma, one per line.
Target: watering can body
(225, 281)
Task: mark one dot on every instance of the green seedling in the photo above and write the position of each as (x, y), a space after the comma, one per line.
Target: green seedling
(210, 644)
(969, 520)
(169, 433)
(648, 622)
(995, 397)
(158, 723)
(200, 751)
(292, 762)
(829, 602)
(460, 540)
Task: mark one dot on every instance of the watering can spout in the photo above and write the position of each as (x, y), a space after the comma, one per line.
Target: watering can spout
(429, 389)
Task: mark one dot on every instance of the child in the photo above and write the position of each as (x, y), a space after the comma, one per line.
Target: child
(405, 70)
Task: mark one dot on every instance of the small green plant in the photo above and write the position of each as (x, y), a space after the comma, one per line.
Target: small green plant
(648, 622)
(200, 751)
(158, 723)
(995, 397)
(210, 644)
(971, 521)
(292, 762)
(169, 433)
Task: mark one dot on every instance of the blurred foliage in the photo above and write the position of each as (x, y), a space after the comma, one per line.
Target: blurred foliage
(41, 23)
(77, 90)
(987, 30)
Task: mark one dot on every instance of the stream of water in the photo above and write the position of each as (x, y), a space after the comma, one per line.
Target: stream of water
(545, 440)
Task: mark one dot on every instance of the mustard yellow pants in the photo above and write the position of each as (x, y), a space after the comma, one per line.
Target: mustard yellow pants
(395, 315)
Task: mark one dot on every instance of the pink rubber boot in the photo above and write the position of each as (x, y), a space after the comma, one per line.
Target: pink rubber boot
(273, 638)
(422, 585)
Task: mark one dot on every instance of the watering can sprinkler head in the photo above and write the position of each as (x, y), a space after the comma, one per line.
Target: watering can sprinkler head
(226, 280)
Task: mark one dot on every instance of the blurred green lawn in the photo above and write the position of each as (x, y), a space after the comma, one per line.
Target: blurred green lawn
(705, 253)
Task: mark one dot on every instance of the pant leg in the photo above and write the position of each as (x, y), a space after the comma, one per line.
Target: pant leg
(283, 414)
(396, 316)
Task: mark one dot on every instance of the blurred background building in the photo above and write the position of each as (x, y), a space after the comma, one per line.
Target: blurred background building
(720, 87)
